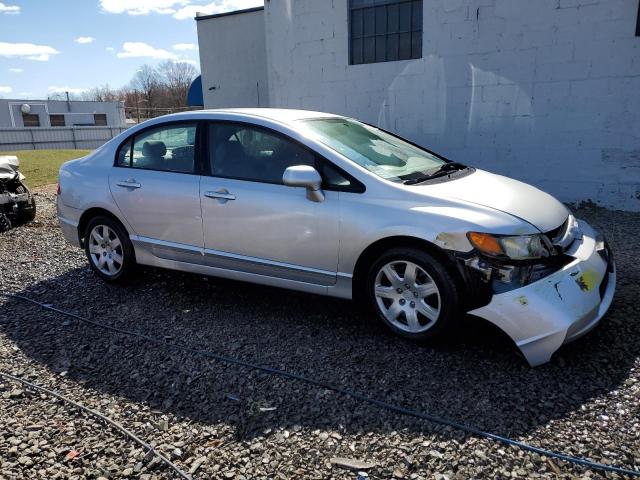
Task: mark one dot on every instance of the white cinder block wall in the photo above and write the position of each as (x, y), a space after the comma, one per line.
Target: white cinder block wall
(547, 91)
(233, 59)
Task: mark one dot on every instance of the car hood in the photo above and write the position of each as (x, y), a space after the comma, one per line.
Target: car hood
(505, 194)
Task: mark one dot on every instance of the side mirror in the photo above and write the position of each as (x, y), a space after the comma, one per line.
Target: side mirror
(307, 177)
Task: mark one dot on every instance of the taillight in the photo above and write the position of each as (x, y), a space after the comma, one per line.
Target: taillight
(58, 191)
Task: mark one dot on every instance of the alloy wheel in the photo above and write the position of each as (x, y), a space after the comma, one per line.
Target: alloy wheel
(407, 296)
(105, 250)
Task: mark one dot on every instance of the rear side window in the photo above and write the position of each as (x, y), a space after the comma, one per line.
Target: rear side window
(168, 148)
(244, 152)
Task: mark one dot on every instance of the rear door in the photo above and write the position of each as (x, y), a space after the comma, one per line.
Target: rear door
(155, 184)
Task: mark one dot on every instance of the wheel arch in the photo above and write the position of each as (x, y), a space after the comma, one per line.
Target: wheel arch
(93, 212)
(377, 248)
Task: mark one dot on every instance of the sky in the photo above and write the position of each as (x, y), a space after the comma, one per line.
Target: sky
(52, 46)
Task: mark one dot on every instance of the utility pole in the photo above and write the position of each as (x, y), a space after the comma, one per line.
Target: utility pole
(137, 106)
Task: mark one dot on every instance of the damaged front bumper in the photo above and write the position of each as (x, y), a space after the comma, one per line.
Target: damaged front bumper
(542, 316)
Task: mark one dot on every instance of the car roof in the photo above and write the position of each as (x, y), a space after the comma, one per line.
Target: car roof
(282, 115)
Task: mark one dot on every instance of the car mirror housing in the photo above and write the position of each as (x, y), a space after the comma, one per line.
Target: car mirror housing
(307, 177)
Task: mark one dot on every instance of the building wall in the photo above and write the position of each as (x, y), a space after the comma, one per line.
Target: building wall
(75, 112)
(547, 91)
(233, 59)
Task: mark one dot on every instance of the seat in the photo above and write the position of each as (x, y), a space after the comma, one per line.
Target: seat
(286, 155)
(229, 160)
(153, 152)
(181, 159)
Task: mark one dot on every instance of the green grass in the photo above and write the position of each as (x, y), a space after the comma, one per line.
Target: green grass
(41, 166)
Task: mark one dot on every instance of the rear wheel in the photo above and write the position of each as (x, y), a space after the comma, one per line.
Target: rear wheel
(5, 223)
(413, 293)
(109, 249)
(29, 214)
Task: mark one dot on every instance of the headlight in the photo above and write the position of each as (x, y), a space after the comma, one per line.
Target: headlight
(522, 247)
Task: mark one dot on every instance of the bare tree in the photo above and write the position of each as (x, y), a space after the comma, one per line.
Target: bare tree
(151, 91)
(147, 84)
(62, 96)
(177, 77)
(102, 94)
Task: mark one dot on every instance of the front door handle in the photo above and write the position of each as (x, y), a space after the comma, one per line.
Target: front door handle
(221, 194)
(128, 183)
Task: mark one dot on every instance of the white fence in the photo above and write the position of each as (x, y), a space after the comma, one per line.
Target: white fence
(38, 138)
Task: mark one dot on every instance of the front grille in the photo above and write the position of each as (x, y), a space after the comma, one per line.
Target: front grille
(563, 236)
(603, 285)
(557, 232)
(607, 255)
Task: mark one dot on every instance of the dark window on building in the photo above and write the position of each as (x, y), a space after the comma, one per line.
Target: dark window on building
(30, 120)
(99, 118)
(56, 120)
(385, 30)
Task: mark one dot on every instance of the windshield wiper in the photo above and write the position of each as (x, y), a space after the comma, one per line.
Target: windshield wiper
(440, 171)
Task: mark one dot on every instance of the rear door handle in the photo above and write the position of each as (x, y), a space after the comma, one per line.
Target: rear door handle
(130, 183)
(221, 194)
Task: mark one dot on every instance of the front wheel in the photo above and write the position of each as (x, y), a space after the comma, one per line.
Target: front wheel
(109, 249)
(413, 293)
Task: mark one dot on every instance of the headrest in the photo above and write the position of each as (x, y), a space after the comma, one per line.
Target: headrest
(154, 148)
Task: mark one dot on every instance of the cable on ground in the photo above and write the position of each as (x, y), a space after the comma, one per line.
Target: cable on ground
(346, 392)
(103, 418)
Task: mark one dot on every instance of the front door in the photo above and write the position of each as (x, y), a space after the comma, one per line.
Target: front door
(156, 187)
(254, 223)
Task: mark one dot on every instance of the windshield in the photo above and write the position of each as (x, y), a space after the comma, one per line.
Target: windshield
(381, 153)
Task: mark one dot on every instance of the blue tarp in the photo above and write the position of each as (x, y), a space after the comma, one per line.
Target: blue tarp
(194, 97)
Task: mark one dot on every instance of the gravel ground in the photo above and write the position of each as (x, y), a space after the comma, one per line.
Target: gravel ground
(221, 421)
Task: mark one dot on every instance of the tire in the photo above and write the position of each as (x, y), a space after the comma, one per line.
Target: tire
(114, 259)
(5, 223)
(428, 308)
(29, 215)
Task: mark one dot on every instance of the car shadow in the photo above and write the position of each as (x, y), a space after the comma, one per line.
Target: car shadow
(477, 378)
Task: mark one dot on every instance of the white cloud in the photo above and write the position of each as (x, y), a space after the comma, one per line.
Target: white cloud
(4, 89)
(9, 9)
(85, 40)
(41, 53)
(54, 89)
(141, 49)
(180, 9)
(217, 6)
(110, 49)
(184, 46)
(16, 70)
(141, 7)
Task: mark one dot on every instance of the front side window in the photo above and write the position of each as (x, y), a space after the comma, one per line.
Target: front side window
(379, 152)
(169, 148)
(385, 30)
(244, 152)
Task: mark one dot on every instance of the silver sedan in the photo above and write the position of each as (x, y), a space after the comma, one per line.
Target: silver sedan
(329, 205)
